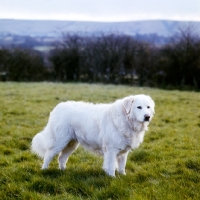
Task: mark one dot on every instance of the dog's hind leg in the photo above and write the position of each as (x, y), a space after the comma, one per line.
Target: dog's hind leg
(66, 152)
(51, 152)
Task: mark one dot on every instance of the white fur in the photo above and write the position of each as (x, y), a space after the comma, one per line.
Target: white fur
(109, 129)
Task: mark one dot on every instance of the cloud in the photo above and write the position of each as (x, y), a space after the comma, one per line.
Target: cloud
(95, 10)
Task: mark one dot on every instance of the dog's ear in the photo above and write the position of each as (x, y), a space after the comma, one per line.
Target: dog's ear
(152, 105)
(127, 104)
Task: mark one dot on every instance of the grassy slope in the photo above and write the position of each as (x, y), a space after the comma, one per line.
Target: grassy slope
(165, 166)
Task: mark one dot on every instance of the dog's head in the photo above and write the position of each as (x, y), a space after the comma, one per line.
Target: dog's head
(139, 108)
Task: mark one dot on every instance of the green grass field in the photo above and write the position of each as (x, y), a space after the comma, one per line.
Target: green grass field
(166, 166)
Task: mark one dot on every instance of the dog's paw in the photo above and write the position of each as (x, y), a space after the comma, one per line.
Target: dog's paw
(61, 167)
(44, 167)
(122, 172)
(110, 173)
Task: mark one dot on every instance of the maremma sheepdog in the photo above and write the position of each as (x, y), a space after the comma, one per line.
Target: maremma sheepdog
(111, 130)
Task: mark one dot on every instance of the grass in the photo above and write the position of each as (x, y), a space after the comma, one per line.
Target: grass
(166, 166)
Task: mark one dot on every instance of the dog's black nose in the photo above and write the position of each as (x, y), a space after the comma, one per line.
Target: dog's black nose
(146, 118)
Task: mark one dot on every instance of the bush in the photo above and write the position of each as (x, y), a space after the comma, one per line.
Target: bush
(22, 65)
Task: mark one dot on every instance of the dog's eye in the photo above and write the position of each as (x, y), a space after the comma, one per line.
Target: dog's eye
(139, 107)
(148, 107)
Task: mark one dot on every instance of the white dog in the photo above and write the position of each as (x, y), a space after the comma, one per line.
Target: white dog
(109, 129)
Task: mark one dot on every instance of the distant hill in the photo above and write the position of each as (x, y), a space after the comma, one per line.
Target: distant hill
(48, 28)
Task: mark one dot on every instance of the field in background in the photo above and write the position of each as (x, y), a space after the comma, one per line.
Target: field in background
(166, 166)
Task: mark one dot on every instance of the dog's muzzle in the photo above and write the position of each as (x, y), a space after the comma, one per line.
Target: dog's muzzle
(146, 118)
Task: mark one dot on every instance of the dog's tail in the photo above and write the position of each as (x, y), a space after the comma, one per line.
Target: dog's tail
(42, 142)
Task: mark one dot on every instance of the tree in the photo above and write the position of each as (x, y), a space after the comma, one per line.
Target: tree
(25, 65)
(183, 59)
(66, 58)
(4, 60)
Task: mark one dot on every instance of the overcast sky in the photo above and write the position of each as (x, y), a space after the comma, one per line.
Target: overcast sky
(101, 10)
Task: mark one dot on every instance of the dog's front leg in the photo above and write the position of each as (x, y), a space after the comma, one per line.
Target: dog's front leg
(110, 159)
(122, 162)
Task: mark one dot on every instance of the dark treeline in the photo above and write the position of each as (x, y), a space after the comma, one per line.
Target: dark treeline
(117, 59)
(22, 65)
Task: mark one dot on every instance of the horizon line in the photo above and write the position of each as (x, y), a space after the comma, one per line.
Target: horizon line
(98, 21)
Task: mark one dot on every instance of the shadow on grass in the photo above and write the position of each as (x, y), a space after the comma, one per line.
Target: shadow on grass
(78, 182)
(85, 183)
(96, 184)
